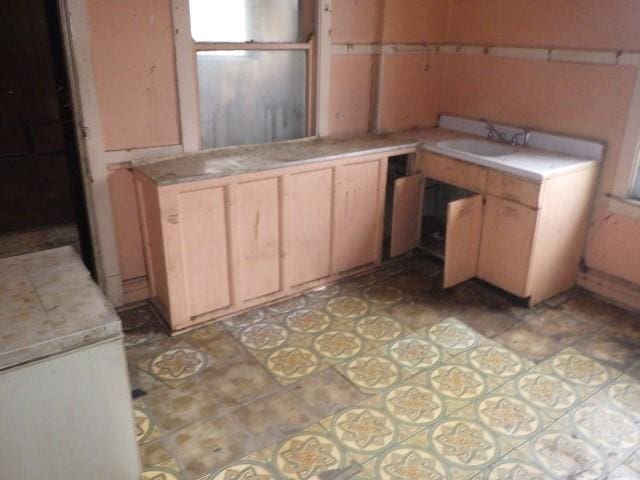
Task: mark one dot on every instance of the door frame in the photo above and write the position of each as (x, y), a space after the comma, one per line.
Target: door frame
(76, 39)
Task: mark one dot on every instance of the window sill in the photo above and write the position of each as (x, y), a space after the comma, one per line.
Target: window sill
(627, 207)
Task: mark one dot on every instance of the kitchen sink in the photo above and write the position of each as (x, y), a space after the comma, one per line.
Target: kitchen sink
(477, 147)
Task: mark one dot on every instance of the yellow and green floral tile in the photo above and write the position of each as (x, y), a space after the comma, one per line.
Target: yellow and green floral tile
(374, 372)
(144, 425)
(176, 365)
(629, 470)
(452, 448)
(384, 420)
(244, 320)
(562, 382)
(307, 455)
(511, 421)
(606, 424)
(557, 454)
(624, 394)
(251, 467)
(168, 470)
(292, 363)
(452, 336)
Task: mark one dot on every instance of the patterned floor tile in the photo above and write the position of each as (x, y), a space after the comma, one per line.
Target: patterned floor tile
(307, 455)
(252, 467)
(175, 366)
(145, 427)
(168, 470)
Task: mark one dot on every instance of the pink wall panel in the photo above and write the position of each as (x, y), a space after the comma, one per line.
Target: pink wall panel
(350, 100)
(127, 224)
(590, 24)
(584, 100)
(134, 68)
(356, 21)
(415, 21)
(613, 246)
(410, 91)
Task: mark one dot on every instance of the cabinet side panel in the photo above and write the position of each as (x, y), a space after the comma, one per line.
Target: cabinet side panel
(149, 211)
(505, 251)
(562, 232)
(203, 225)
(358, 215)
(310, 203)
(259, 237)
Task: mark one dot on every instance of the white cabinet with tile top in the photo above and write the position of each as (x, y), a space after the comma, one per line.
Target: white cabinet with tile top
(64, 390)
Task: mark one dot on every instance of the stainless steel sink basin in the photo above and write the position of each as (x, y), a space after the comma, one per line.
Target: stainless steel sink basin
(477, 147)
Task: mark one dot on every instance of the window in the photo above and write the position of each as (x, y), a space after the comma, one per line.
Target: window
(253, 63)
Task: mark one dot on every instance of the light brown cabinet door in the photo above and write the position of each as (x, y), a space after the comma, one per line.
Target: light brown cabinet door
(507, 238)
(309, 203)
(462, 241)
(203, 239)
(258, 238)
(359, 214)
(407, 208)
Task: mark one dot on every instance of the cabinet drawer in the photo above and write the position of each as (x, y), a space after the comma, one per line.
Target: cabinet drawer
(452, 171)
(512, 188)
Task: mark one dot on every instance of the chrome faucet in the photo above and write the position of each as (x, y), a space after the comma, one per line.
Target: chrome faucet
(521, 139)
(494, 133)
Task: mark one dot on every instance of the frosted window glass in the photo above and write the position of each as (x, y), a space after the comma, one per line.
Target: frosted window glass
(244, 20)
(249, 96)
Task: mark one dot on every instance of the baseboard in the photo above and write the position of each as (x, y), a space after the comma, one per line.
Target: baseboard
(613, 289)
(135, 290)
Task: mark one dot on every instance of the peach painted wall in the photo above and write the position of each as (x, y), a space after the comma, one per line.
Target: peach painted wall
(589, 24)
(350, 98)
(415, 21)
(613, 245)
(410, 91)
(134, 68)
(127, 224)
(356, 21)
(584, 100)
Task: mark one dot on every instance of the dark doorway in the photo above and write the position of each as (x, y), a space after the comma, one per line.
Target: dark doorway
(41, 188)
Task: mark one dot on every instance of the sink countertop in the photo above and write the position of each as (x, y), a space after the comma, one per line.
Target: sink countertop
(50, 305)
(529, 163)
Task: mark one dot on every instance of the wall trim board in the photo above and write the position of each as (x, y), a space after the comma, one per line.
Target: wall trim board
(561, 55)
(629, 160)
(187, 77)
(611, 288)
(323, 67)
(77, 38)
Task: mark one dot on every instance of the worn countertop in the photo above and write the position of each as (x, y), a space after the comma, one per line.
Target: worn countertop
(534, 164)
(50, 305)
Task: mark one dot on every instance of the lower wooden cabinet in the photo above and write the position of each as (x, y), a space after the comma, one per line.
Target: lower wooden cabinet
(218, 246)
(527, 238)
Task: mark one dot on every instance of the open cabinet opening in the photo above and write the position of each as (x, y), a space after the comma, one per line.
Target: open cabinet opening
(437, 197)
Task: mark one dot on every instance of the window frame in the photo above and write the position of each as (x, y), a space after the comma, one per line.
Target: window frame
(186, 50)
(627, 174)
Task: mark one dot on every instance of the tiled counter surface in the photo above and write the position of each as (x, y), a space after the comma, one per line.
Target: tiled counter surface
(50, 305)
